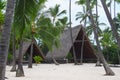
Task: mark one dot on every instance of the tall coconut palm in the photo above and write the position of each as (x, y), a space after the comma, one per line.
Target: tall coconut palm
(14, 52)
(84, 17)
(114, 30)
(55, 13)
(23, 16)
(4, 42)
(100, 55)
(74, 54)
(39, 7)
(49, 33)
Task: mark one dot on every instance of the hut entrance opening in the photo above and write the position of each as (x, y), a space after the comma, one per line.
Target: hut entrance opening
(88, 54)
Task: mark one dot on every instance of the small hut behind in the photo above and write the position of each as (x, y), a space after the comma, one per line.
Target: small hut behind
(26, 51)
(66, 46)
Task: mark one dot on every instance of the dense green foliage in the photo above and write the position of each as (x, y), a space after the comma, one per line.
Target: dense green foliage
(2, 6)
(50, 27)
(69, 56)
(1, 18)
(25, 15)
(37, 59)
(49, 24)
(107, 41)
(111, 54)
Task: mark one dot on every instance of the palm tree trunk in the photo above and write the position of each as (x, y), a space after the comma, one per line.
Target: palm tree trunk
(114, 9)
(56, 63)
(31, 54)
(119, 58)
(110, 7)
(101, 56)
(83, 40)
(98, 60)
(114, 30)
(19, 71)
(73, 48)
(14, 53)
(107, 55)
(31, 48)
(5, 38)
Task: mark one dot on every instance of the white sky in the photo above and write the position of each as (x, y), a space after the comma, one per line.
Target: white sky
(64, 5)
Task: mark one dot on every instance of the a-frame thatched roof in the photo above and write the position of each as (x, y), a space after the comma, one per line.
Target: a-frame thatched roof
(66, 45)
(27, 47)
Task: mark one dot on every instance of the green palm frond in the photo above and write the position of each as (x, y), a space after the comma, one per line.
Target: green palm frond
(81, 2)
(2, 4)
(54, 10)
(93, 3)
(107, 39)
(62, 22)
(25, 13)
(49, 33)
(118, 1)
(51, 26)
(61, 13)
(1, 18)
(81, 16)
(49, 36)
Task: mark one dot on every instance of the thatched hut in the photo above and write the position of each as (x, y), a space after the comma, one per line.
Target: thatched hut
(26, 51)
(66, 46)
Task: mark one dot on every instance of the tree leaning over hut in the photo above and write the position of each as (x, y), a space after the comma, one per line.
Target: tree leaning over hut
(100, 54)
(52, 26)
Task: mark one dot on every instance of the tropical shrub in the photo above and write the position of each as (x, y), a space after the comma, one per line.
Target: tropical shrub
(111, 55)
(37, 59)
(69, 56)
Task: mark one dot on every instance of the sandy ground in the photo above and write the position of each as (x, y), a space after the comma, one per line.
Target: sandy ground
(64, 72)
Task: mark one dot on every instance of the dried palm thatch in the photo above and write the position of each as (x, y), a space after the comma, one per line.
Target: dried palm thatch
(26, 50)
(66, 45)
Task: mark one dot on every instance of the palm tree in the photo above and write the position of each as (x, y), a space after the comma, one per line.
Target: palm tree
(39, 7)
(114, 30)
(117, 22)
(5, 38)
(23, 16)
(100, 55)
(83, 16)
(74, 54)
(14, 51)
(55, 13)
(49, 34)
(107, 40)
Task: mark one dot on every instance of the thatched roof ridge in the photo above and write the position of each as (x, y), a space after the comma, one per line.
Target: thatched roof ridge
(65, 44)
